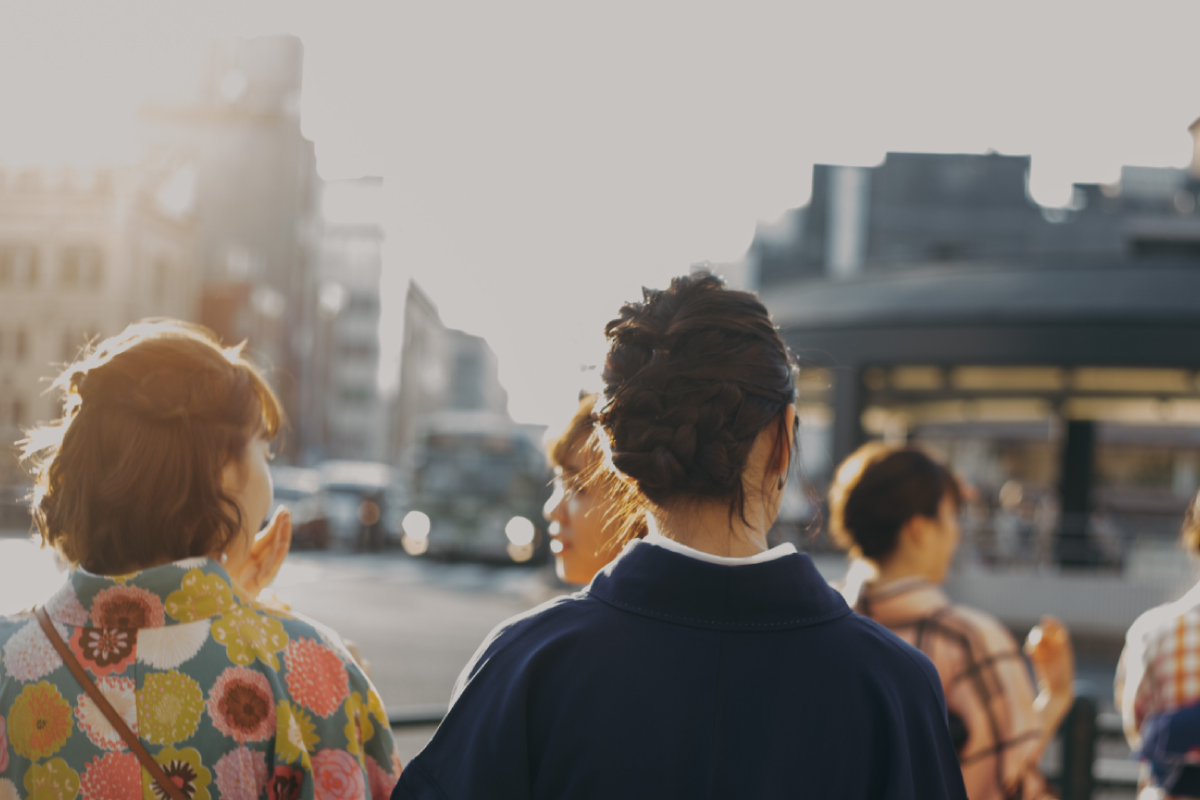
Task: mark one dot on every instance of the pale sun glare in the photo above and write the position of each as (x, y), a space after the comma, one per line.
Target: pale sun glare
(542, 163)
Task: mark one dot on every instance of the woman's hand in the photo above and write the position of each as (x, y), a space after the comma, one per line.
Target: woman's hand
(267, 552)
(1049, 649)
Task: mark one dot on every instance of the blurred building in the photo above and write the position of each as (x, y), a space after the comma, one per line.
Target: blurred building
(341, 401)
(1049, 353)
(82, 254)
(441, 369)
(239, 144)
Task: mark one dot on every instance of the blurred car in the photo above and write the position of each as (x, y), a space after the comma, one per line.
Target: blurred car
(302, 492)
(364, 501)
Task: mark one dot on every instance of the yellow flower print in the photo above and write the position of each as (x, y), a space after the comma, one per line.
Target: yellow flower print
(295, 734)
(200, 596)
(169, 706)
(376, 709)
(247, 635)
(53, 780)
(123, 578)
(356, 722)
(183, 768)
(40, 721)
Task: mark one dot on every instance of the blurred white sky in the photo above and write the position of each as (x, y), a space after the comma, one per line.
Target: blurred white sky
(543, 162)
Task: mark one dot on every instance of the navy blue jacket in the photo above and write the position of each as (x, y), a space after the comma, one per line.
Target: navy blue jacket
(671, 677)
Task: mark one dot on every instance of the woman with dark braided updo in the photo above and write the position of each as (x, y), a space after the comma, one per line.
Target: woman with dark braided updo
(699, 663)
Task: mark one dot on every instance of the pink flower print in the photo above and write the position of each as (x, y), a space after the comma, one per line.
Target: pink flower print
(3, 745)
(104, 651)
(382, 781)
(241, 774)
(113, 776)
(285, 784)
(64, 607)
(337, 776)
(316, 676)
(242, 705)
(128, 607)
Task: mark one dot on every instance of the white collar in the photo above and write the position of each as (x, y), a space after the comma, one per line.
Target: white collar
(779, 551)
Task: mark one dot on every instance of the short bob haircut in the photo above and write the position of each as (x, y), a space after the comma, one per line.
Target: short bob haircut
(878, 489)
(130, 476)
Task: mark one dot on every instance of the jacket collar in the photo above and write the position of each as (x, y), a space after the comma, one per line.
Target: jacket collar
(170, 594)
(785, 592)
(901, 600)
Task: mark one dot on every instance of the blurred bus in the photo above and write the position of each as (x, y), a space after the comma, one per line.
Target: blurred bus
(478, 486)
(365, 499)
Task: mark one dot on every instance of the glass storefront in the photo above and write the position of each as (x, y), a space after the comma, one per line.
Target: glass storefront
(1003, 429)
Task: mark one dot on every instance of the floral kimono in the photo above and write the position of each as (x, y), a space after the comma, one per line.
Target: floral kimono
(235, 700)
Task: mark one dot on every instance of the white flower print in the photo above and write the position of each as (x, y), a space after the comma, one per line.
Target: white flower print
(120, 693)
(28, 655)
(65, 607)
(8, 791)
(171, 645)
(187, 564)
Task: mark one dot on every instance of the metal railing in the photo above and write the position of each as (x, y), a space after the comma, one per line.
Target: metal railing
(417, 717)
(1080, 773)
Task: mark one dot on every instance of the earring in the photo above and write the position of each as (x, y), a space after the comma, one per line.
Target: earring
(224, 558)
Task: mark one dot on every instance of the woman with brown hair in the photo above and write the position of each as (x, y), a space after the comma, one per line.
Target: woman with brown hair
(700, 663)
(589, 508)
(154, 672)
(896, 508)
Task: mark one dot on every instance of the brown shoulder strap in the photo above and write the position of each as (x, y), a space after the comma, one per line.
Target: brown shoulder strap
(89, 686)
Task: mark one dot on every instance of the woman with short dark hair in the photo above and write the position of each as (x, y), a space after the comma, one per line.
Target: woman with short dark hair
(154, 672)
(701, 663)
(897, 508)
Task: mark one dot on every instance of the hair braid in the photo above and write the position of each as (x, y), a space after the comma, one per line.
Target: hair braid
(693, 374)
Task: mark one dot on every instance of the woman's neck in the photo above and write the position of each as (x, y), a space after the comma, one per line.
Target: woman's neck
(710, 528)
(898, 568)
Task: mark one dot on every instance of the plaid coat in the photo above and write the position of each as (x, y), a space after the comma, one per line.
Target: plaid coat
(1159, 670)
(989, 693)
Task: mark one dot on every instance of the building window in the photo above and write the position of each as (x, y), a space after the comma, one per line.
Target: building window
(18, 412)
(69, 270)
(22, 344)
(357, 395)
(27, 267)
(81, 267)
(364, 302)
(161, 271)
(93, 268)
(18, 266)
(68, 274)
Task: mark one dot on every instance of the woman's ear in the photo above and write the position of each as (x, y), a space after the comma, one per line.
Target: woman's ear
(789, 430)
(921, 532)
(233, 476)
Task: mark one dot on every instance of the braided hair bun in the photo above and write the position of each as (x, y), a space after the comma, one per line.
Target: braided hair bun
(694, 373)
